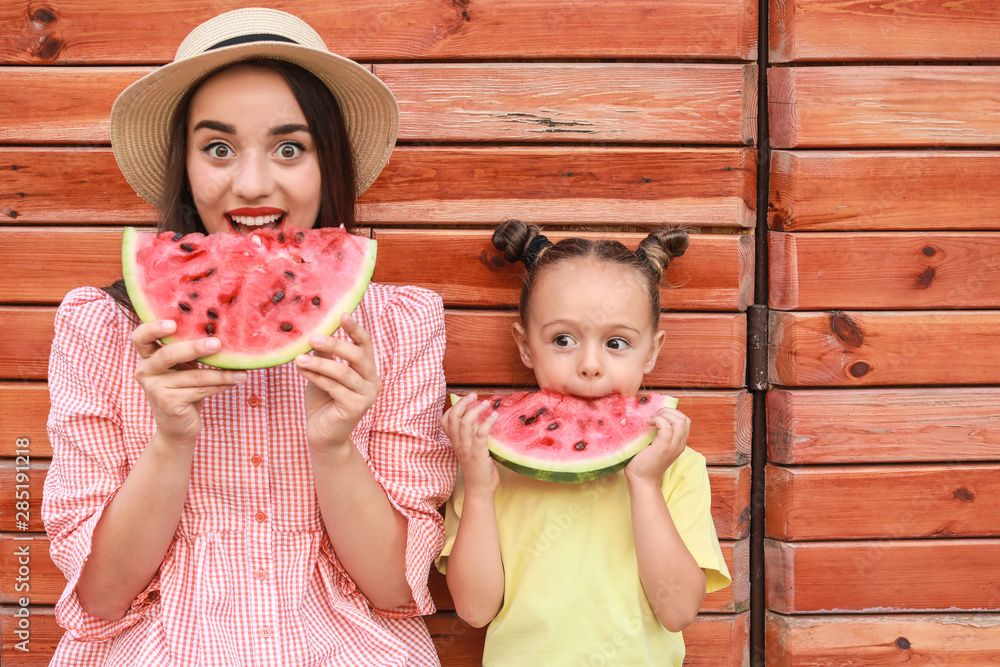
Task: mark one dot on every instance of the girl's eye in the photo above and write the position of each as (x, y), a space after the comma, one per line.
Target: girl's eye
(290, 150)
(563, 340)
(617, 344)
(218, 150)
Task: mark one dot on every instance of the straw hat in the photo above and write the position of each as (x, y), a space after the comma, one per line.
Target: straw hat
(142, 115)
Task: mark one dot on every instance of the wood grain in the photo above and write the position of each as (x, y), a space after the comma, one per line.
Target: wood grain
(878, 640)
(24, 407)
(48, 582)
(474, 102)
(882, 501)
(42, 638)
(481, 350)
(818, 30)
(716, 272)
(883, 270)
(22, 474)
(883, 425)
(575, 102)
(865, 348)
(883, 190)
(428, 185)
(880, 576)
(877, 106)
(97, 31)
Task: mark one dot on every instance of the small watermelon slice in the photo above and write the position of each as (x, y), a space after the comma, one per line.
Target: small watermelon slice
(554, 437)
(263, 295)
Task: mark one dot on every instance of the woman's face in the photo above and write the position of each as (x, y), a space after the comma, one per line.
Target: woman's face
(251, 159)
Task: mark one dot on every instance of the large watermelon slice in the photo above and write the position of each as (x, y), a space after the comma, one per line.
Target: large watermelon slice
(559, 438)
(263, 295)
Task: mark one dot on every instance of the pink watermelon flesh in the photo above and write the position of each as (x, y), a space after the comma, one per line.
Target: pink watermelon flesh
(558, 438)
(263, 295)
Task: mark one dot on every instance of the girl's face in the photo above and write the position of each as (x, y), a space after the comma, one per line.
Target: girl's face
(589, 331)
(251, 160)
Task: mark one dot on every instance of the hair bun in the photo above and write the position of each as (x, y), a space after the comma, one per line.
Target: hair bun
(662, 246)
(512, 237)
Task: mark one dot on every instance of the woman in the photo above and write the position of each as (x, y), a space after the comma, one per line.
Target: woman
(274, 516)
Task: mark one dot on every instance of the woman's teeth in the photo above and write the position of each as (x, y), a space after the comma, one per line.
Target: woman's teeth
(256, 221)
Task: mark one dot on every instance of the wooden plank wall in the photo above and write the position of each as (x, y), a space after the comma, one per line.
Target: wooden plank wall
(884, 264)
(604, 116)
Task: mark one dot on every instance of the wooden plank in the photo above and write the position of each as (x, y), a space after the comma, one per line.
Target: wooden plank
(876, 270)
(537, 102)
(91, 31)
(22, 423)
(578, 102)
(23, 476)
(817, 30)
(875, 576)
(855, 348)
(883, 190)
(818, 107)
(876, 501)
(42, 636)
(882, 425)
(481, 350)
(713, 640)
(716, 272)
(874, 641)
(439, 184)
(714, 347)
(47, 581)
(24, 352)
(44, 263)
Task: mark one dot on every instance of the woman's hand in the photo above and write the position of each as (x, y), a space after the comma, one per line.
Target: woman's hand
(338, 395)
(469, 442)
(174, 386)
(649, 465)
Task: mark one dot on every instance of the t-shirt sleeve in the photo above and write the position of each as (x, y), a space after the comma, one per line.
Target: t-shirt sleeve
(89, 459)
(410, 455)
(689, 498)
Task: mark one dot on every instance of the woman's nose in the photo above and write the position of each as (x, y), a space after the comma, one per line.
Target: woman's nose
(253, 179)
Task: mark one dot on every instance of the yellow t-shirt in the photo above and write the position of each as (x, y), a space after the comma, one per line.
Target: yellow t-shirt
(572, 594)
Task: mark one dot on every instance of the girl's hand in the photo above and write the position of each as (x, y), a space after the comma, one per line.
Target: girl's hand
(651, 463)
(338, 395)
(174, 386)
(469, 442)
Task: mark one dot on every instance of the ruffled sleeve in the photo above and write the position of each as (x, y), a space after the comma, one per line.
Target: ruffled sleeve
(89, 457)
(409, 453)
(689, 498)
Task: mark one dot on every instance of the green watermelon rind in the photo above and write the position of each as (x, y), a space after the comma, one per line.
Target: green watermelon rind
(575, 472)
(235, 360)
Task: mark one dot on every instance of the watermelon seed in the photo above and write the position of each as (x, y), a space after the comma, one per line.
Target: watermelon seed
(540, 412)
(315, 300)
(644, 399)
(530, 420)
(278, 296)
(210, 329)
(553, 426)
(187, 247)
(287, 326)
(212, 314)
(178, 236)
(281, 237)
(580, 446)
(185, 307)
(192, 295)
(290, 275)
(496, 404)
(299, 237)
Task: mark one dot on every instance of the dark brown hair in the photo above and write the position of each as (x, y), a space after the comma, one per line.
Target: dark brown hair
(177, 212)
(661, 246)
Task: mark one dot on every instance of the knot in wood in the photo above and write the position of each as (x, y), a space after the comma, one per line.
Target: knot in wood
(43, 16)
(903, 643)
(846, 330)
(859, 369)
(964, 495)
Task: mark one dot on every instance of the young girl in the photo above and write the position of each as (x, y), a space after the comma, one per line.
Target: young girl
(600, 573)
(280, 516)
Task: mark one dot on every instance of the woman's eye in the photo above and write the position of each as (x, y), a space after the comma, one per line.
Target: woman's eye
(563, 340)
(617, 343)
(290, 151)
(218, 150)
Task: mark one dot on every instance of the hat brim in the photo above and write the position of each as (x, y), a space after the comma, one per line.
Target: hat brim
(142, 115)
